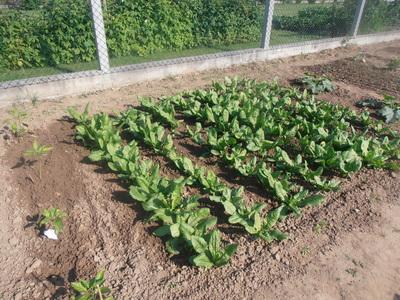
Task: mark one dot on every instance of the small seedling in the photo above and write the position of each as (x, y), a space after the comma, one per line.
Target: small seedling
(352, 272)
(361, 56)
(38, 151)
(93, 289)
(394, 64)
(34, 100)
(316, 84)
(52, 218)
(16, 125)
(305, 251)
(321, 226)
(77, 116)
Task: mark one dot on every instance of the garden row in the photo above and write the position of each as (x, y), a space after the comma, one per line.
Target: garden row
(291, 144)
(60, 31)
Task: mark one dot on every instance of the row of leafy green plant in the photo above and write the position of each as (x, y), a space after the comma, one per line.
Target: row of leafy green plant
(250, 125)
(60, 31)
(253, 218)
(186, 226)
(336, 19)
(284, 138)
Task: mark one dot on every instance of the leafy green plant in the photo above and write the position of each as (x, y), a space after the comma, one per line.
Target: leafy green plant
(299, 200)
(38, 151)
(93, 289)
(210, 252)
(52, 218)
(81, 118)
(163, 110)
(317, 84)
(387, 109)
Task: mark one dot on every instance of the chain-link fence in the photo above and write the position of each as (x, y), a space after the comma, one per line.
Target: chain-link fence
(45, 40)
(158, 30)
(380, 16)
(295, 22)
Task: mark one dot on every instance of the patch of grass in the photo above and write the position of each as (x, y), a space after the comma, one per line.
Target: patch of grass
(282, 37)
(278, 37)
(292, 9)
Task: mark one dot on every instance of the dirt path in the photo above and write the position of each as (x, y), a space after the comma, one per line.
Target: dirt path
(346, 249)
(364, 265)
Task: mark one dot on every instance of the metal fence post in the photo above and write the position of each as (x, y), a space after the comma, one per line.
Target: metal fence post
(100, 35)
(268, 15)
(357, 17)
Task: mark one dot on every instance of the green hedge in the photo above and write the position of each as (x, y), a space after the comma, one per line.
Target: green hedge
(61, 30)
(20, 44)
(327, 21)
(336, 19)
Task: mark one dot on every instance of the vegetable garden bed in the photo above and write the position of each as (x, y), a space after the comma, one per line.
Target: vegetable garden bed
(255, 205)
(289, 143)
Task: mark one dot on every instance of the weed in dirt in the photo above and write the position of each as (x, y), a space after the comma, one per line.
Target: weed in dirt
(52, 218)
(321, 226)
(394, 64)
(351, 271)
(15, 123)
(37, 152)
(34, 100)
(172, 285)
(92, 289)
(305, 251)
(357, 263)
(361, 56)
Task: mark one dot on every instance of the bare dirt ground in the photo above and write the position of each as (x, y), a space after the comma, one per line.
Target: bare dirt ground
(346, 249)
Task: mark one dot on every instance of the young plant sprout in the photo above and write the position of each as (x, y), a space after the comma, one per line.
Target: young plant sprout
(38, 151)
(16, 125)
(93, 289)
(394, 64)
(52, 220)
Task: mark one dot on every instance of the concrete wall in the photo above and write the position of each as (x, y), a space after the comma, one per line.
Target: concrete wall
(83, 82)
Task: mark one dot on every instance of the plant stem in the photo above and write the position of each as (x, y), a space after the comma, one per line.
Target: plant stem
(99, 291)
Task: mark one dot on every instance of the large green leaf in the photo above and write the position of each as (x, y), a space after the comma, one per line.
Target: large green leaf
(214, 243)
(202, 260)
(199, 244)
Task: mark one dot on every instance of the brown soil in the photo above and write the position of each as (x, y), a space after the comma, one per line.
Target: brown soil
(365, 74)
(345, 249)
